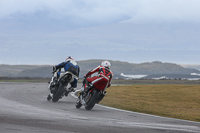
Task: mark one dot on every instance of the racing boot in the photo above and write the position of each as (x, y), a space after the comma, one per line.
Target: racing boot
(70, 89)
(49, 97)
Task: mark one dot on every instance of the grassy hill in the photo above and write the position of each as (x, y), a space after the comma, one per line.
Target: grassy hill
(149, 68)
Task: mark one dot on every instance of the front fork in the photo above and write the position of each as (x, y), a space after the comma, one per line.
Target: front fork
(52, 83)
(53, 79)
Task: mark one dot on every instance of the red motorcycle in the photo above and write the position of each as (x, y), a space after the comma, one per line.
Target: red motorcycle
(89, 95)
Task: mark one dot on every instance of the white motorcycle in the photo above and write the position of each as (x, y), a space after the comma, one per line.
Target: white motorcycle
(58, 87)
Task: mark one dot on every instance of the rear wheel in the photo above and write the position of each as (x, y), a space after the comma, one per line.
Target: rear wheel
(58, 94)
(92, 101)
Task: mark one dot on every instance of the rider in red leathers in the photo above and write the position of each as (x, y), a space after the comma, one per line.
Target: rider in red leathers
(103, 80)
(94, 88)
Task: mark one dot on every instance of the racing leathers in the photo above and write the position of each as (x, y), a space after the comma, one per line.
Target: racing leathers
(72, 67)
(103, 80)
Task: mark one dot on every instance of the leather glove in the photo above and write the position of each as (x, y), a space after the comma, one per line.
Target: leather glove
(54, 68)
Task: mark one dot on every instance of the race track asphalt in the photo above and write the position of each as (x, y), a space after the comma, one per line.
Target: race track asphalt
(24, 109)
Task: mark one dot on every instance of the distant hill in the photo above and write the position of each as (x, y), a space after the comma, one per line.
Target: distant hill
(191, 66)
(25, 70)
(152, 69)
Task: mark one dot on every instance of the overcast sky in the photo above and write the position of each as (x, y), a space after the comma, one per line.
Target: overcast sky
(43, 31)
(102, 12)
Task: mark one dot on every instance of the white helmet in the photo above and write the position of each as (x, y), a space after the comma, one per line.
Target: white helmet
(69, 58)
(106, 64)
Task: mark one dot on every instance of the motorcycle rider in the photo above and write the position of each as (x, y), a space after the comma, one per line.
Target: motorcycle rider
(103, 80)
(71, 66)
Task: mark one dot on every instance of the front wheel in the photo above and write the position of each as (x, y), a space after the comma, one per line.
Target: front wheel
(93, 100)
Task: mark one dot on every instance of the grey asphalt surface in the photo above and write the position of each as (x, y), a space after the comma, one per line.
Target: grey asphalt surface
(24, 109)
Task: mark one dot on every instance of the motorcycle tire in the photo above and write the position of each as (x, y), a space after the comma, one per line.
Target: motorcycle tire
(58, 94)
(92, 101)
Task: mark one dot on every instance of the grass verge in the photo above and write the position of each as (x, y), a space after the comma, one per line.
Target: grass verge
(175, 101)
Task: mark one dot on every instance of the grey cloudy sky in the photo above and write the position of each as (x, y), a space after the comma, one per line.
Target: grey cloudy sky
(128, 30)
(99, 11)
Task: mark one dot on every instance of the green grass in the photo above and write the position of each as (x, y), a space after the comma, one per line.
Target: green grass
(175, 101)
